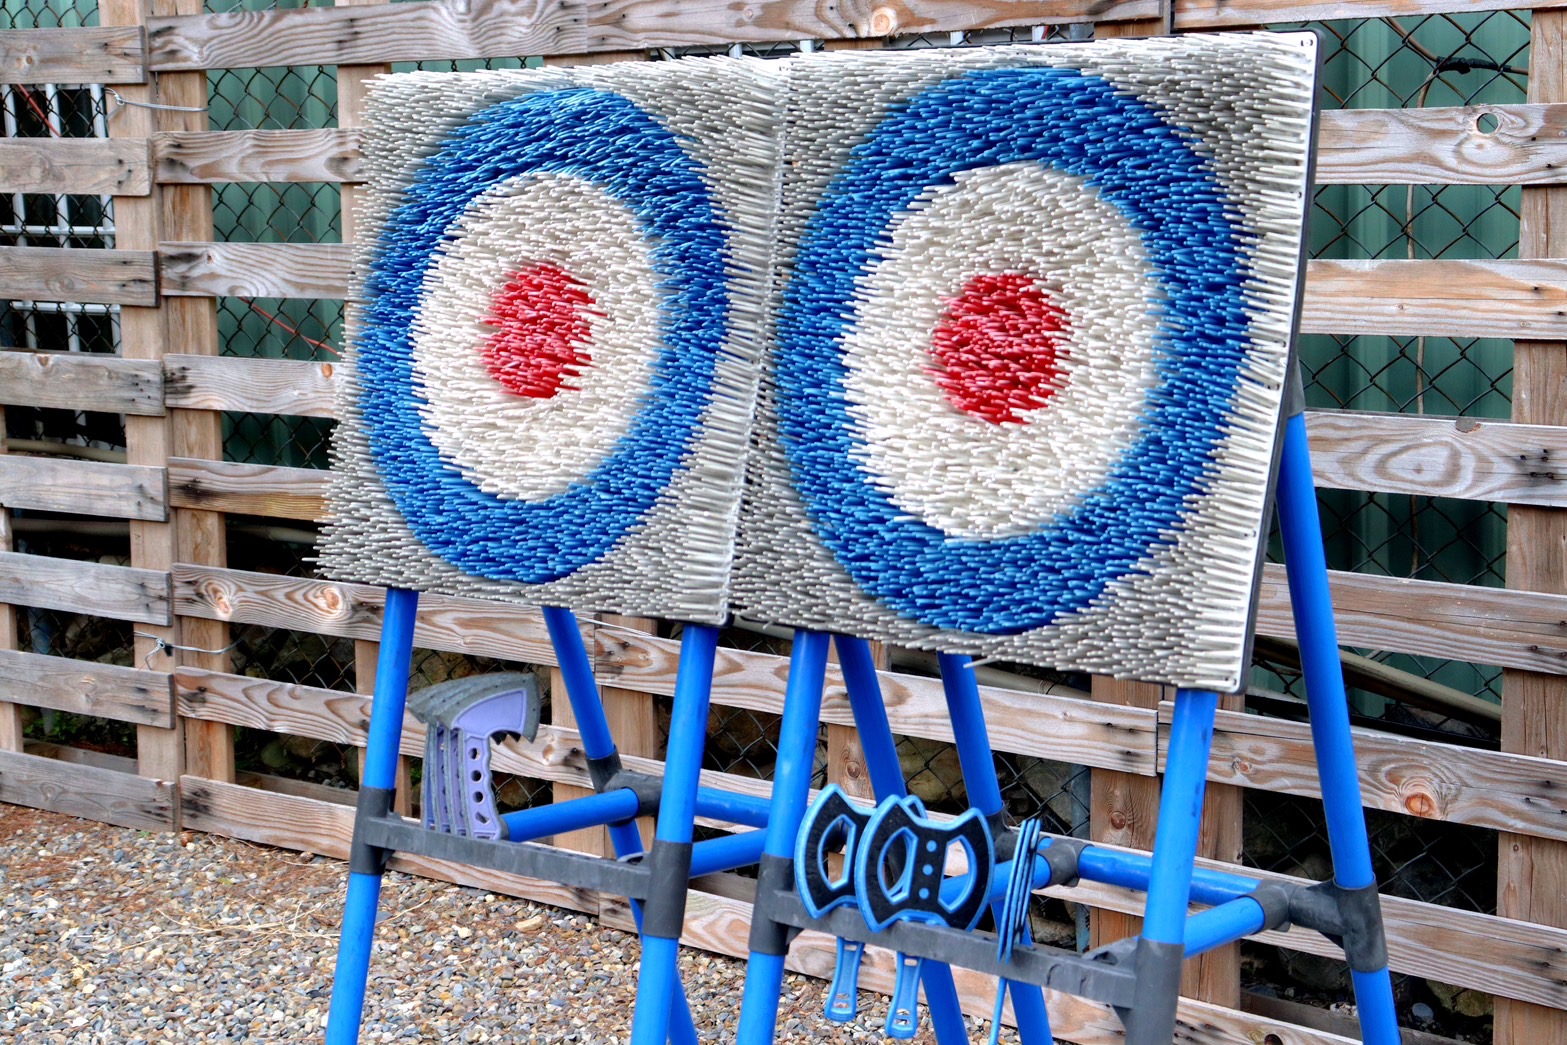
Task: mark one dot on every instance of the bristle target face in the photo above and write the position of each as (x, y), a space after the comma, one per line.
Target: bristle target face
(524, 335)
(944, 553)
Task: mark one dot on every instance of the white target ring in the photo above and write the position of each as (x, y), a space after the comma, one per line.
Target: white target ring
(1057, 240)
(588, 259)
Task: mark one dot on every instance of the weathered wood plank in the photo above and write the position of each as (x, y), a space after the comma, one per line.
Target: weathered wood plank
(1483, 625)
(121, 592)
(1510, 298)
(86, 791)
(255, 270)
(1439, 145)
(213, 157)
(1502, 956)
(1462, 457)
(271, 491)
(1443, 146)
(622, 24)
(61, 484)
(1436, 298)
(1195, 15)
(1065, 728)
(110, 54)
(115, 277)
(88, 166)
(364, 35)
(1400, 774)
(81, 382)
(84, 688)
(258, 386)
(292, 822)
(477, 626)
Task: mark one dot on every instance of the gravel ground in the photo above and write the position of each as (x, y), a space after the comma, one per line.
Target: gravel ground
(118, 936)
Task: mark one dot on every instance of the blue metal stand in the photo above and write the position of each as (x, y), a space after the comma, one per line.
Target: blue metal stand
(379, 777)
(670, 860)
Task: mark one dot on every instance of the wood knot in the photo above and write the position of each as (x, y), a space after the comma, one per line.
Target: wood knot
(884, 22)
(331, 600)
(1118, 820)
(1420, 803)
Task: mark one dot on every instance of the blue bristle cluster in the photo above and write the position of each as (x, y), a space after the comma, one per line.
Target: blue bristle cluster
(1081, 125)
(601, 137)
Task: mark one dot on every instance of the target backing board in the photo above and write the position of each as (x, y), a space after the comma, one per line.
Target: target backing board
(555, 333)
(1033, 321)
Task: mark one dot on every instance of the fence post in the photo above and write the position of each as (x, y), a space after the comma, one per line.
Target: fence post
(138, 225)
(1532, 872)
(10, 714)
(351, 81)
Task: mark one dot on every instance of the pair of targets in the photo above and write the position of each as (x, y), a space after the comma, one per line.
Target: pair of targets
(975, 350)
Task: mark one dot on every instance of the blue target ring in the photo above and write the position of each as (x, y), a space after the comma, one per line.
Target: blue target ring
(1139, 163)
(605, 139)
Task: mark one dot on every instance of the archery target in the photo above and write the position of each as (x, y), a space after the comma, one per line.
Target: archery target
(1032, 331)
(553, 357)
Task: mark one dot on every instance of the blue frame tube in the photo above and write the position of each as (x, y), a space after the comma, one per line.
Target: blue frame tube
(886, 773)
(380, 771)
(797, 734)
(525, 825)
(726, 853)
(1306, 567)
(1180, 816)
(582, 692)
(984, 793)
(1224, 924)
(657, 978)
(1131, 871)
(748, 810)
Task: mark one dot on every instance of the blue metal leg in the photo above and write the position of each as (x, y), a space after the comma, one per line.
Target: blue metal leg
(1161, 945)
(657, 980)
(881, 761)
(593, 727)
(984, 794)
(791, 790)
(1307, 569)
(380, 772)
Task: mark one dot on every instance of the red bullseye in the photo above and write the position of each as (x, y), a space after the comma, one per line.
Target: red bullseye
(998, 348)
(542, 320)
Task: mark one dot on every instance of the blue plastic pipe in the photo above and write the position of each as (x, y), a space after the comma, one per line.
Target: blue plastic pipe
(657, 979)
(1131, 871)
(525, 825)
(625, 838)
(797, 734)
(886, 773)
(380, 771)
(1306, 566)
(726, 853)
(736, 808)
(984, 793)
(1224, 924)
(1180, 816)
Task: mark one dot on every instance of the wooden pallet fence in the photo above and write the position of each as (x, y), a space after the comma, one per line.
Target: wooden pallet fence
(175, 489)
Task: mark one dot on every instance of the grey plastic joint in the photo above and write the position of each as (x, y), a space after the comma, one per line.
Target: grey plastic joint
(1351, 918)
(774, 874)
(603, 770)
(1002, 836)
(1062, 856)
(648, 789)
(1294, 390)
(364, 858)
(669, 879)
(1151, 1020)
(1274, 899)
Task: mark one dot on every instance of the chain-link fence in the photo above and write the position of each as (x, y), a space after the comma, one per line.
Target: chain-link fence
(1440, 60)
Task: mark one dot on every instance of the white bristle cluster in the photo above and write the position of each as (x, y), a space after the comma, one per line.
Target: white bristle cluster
(1024, 387)
(555, 334)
